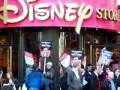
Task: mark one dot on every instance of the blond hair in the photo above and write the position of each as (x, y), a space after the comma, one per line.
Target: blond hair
(75, 63)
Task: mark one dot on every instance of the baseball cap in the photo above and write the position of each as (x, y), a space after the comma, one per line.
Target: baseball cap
(49, 63)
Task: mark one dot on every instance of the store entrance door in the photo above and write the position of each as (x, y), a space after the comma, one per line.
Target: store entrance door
(6, 59)
(9, 59)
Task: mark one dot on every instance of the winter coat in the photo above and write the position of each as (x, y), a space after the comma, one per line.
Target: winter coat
(35, 79)
(63, 82)
(73, 82)
(48, 84)
(106, 85)
(14, 80)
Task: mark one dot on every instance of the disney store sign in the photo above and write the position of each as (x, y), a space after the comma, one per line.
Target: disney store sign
(42, 13)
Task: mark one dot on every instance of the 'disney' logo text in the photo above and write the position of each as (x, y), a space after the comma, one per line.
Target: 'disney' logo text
(41, 12)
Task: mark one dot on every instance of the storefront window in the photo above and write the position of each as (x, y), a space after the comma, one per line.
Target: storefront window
(32, 42)
(15, 39)
(68, 40)
(9, 36)
(96, 39)
(5, 40)
(88, 35)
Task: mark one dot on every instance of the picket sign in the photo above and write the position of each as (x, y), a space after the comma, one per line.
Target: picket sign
(64, 59)
(29, 60)
(105, 56)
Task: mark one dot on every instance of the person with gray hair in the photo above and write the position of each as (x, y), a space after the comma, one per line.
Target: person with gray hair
(49, 68)
(75, 79)
(109, 84)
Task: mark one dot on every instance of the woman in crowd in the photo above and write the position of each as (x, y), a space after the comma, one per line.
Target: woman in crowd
(11, 81)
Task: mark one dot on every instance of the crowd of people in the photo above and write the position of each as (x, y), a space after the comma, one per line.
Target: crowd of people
(90, 78)
(35, 80)
(38, 80)
(76, 77)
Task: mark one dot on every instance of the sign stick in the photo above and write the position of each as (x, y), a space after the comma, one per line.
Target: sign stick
(102, 67)
(44, 63)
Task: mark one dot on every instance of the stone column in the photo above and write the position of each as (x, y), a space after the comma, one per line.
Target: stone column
(52, 34)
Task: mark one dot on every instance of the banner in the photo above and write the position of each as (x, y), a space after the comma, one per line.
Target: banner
(29, 60)
(64, 59)
(105, 56)
(45, 50)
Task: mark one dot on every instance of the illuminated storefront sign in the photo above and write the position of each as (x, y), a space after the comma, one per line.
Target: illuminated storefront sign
(68, 14)
(108, 14)
(42, 13)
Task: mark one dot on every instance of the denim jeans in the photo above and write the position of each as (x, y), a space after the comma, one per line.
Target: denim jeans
(33, 89)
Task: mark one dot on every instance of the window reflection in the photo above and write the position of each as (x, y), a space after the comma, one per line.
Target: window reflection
(68, 40)
(32, 41)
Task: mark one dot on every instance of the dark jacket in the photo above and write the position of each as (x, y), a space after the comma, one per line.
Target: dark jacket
(52, 71)
(106, 85)
(14, 80)
(103, 76)
(87, 78)
(48, 84)
(73, 82)
(93, 82)
(53, 76)
(63, 82)
(35, 79)
(117, 80)
(6, 88)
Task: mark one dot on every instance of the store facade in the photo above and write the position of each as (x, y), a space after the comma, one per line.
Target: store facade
(71, 24)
